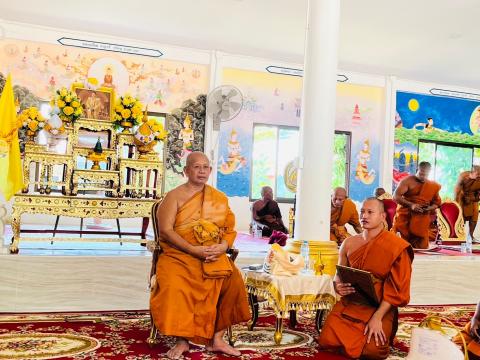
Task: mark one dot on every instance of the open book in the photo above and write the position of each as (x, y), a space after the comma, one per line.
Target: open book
(362, 282)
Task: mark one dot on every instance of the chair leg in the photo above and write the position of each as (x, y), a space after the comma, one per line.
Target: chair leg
(319, 319)
(152, 339)
(293, 319)
(253, 301)
(231, 338)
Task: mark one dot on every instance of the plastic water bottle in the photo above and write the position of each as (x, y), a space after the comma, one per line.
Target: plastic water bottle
(305, 252)
(469, 242)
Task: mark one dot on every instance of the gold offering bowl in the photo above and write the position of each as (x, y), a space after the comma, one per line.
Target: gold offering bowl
(96, 159)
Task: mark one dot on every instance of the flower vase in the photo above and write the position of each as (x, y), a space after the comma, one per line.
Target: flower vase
(145, 150)
(127, 125)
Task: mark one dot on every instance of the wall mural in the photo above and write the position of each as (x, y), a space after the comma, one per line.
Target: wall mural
(430, 128)
(272, 99)
(186, 126)
(269, 99)
(38, 69)
(360, 110)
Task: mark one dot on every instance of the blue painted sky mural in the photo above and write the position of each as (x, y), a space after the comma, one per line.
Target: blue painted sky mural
(450, 114)
(454, 121)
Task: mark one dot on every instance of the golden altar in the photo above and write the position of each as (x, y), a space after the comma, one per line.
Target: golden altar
(79, 207)
(66, 184)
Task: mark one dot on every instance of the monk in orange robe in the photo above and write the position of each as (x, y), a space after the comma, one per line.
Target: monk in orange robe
(417, 198)
(467, 195)
(198, 292)
(471, 334)
(360, 328)
(343, 211)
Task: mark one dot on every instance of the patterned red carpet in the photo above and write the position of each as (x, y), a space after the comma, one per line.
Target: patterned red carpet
(122, 335)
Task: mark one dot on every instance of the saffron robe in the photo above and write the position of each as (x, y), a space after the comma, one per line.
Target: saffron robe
(185, 303)
(415, 227)
(467, 194)
(271, 208)
(473, 344)
(347, 214)
(389, 259)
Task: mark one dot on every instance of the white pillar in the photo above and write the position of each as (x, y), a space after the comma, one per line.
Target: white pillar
(312, 217)
(211, 135)
(388, 147)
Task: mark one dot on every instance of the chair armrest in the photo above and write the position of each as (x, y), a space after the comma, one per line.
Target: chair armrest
(233, 253)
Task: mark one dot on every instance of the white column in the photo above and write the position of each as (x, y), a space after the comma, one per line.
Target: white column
(212, 136)
(312, 218)
(388, 147)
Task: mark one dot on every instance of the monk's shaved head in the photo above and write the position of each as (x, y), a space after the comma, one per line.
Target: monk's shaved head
(197, 168)
(379, 192)
(338, 197)
(380, 204)
(423, 171)
(195, 156)
(372, 214)
(267, 193)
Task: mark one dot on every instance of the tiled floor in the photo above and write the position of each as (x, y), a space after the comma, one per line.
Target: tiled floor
(78, 276)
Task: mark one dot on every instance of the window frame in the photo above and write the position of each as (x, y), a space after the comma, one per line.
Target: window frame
(445, 143)
(289, 127)
(278, 127)
(348, 157)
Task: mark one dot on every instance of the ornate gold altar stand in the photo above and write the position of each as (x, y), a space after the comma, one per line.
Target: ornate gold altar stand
(103, 180)
(79, 207)
(46, 160)
(129, 185)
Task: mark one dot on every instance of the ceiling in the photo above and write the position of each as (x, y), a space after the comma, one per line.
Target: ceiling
(427, 40)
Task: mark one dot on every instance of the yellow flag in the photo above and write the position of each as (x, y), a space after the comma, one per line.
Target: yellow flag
(11, 177)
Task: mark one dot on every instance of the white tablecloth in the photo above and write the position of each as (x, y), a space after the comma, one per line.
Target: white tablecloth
(299, 292)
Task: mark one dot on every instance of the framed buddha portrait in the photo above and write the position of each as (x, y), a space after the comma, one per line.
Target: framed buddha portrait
(97, 104)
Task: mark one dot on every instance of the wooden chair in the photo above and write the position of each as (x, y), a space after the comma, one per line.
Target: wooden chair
(156, 251)
(451, 226)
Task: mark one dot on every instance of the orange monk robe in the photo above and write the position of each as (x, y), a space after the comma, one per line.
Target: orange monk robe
(389, 259)
(473, 344)
(415, 227)
(185, 303)
(347, 214)
(467, 195)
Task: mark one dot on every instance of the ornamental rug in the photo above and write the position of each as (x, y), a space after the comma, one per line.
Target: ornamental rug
(122, 335)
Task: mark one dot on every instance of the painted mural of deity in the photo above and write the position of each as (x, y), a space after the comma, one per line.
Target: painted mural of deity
(235, 159)
(362, 173)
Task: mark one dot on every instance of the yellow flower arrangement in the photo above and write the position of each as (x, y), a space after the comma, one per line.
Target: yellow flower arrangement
(69, 105)
(128, 110)
(148, 133)
(31, 120)
(158, 130)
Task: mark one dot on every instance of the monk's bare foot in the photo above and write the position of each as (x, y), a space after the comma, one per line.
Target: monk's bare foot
(219, 345)
(177, 351)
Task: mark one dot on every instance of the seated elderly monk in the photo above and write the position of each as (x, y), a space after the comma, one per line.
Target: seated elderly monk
(198, 291)
(471, 334)
(361, 328)
(343, 211)
(267, 213)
